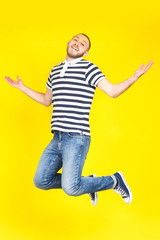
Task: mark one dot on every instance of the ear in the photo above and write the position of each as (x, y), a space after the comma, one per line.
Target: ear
(85, 54)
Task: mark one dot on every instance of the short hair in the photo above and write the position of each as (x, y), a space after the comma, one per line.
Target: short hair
(87, 38)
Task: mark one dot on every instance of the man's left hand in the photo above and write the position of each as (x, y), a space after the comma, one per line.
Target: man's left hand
(140, 71)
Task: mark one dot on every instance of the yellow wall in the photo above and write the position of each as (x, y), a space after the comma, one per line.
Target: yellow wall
(125, 131)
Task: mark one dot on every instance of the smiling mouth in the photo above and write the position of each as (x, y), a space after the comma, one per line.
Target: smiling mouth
(75, 48)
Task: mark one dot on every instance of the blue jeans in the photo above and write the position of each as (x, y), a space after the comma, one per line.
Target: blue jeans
(68, 150)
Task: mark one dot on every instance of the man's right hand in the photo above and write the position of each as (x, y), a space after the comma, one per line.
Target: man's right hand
(16, 84)
(42, 98)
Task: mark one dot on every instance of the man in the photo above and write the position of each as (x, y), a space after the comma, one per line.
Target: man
(70, 87)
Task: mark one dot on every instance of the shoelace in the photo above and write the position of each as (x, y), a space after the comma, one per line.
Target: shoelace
(120, 191)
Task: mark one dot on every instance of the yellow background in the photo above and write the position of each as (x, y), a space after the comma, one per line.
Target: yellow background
(124, 131)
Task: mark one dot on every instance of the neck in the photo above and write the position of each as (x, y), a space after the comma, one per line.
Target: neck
(70, 58)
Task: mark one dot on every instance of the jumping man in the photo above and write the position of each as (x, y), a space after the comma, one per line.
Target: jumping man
(70, 88)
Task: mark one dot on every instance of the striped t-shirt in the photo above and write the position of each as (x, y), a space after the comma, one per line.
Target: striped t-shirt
(73, 85)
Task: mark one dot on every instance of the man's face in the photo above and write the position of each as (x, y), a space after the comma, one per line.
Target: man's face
(77, 46)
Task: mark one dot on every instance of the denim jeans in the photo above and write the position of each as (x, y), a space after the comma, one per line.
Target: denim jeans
(68, 150)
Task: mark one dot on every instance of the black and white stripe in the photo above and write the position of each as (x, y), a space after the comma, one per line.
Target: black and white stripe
(73, 86)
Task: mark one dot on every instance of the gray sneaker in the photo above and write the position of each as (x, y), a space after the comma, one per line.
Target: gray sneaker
(93, 195)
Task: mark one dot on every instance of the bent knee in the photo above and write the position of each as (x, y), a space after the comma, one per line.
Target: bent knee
(70, 190)
(38, 182)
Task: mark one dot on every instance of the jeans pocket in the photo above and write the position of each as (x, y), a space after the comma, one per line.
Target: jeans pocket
(75, 134)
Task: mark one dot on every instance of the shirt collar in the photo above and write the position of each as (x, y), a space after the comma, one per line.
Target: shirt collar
(73, 61)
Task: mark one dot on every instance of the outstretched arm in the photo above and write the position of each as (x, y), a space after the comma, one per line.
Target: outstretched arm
(114, 90)
(42, 98)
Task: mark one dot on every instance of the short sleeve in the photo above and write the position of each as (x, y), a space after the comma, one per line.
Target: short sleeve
(93, 74)
(49, 83)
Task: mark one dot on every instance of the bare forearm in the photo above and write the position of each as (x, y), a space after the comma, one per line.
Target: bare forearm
(121, 87)
(37, 96)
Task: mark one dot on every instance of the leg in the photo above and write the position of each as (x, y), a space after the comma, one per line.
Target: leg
(74, 150)
(46, 176)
